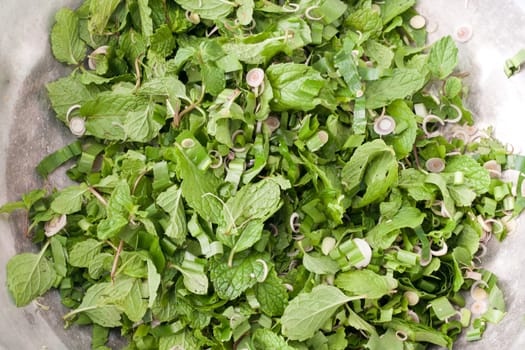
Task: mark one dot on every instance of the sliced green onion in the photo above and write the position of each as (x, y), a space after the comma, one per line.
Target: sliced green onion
(442, 308)
(57, 158)
(317, 141)
(513, 65)
(161, 176)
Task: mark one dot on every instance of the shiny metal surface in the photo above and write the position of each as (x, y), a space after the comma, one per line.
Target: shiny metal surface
(28, 132)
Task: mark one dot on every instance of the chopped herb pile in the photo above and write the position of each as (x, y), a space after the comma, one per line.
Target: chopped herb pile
(260, 175)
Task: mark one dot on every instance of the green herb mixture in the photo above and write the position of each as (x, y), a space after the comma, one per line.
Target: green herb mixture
(254, 174)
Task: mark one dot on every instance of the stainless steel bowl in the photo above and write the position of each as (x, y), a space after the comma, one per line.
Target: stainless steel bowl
(29, 131)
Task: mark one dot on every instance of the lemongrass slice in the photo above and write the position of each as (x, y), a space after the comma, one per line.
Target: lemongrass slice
(55, 225)
(255, 77)
(493, 168)
(294, 222)
(478, 293)
(193, 17)
(442, 251)
(411, 297)
(435, 165)
(309, 15)
(463, 33)
(365, 249)
(479, 307)
(328, 245)
(384, 125)
(429, 119)
(272, 123)
(77, 126)
(417, 22)
(102, 50)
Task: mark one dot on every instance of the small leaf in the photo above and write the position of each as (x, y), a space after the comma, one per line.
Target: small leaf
(366, 282)
(29, 276)
(308, 312)
(65, 38)
(83, 253)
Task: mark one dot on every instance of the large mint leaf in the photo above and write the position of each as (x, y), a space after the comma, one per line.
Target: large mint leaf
(231, 281)
(308, 312)
(83, 253)
(69, 200)
(366, 282)
(443, 57)
(298, 87)
(65, 39)
(402, 83)
(29, 276)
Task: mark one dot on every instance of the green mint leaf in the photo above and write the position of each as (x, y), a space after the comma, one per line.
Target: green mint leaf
(264, 339)
(65, 38)
(308, 312)
(162, 42)
(182, 340)
(67, 92)
(231, 281)
(146, 23)
(209, 9)
(319, 264)
(99, 265)
(406, 128)
(366, 282)
(298, 87)
(374, 165)
(476, 177)
(11, 207)
(272, 295)
(402, 83)
(134, 305)
(171, 201)
(97, 306)
(379, 53)
(69, 200)
(59, 255)
(29, 276)
(199, 188)
(443, 57)
(100, 13)
(153, 282)
(84, 253)
(394, 8)
(384, 233)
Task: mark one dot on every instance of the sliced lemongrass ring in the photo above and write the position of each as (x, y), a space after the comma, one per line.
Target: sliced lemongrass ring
(365, 249)
(255, 77)
(55, 225)
(384, 125)
(417, 22)
(328, 245)
(413, 315)
(494, 169)
(429, 119)
(102, 50)
(309, 15)
(479, 307)
(463, 33)
(458, 117)
(294, 222)
(478, 293)
(435, 165)
(411, 297)
(272, 123)
(442, 251)
(77, 126)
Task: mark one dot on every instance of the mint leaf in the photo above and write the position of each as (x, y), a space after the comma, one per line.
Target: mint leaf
(476, 177)
(443, 57)
(199, 188)
(402, 83)
(133, 305)
(146, 23)
(65, 38)
(29, 276)
(171, 201)
(272, 295)
(308, 312)
(84, 253)
(384, 233)
(69, 200)
(100, 11)
(231, 281)
(298, 87)
(264, 339)
(209, 9)
(153, 282)
(320, 264)
(366, 282)
(97, 304)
